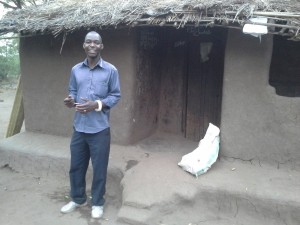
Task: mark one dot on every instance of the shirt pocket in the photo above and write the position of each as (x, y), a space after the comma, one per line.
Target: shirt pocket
(101, 89)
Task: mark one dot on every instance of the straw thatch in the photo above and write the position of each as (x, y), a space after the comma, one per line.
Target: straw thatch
(65, 16)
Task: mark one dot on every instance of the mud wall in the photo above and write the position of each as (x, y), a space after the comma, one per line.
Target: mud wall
(152, 63)
(147, 51)
(45, 75)
(257, 125)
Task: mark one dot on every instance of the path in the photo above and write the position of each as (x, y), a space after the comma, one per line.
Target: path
(7, 97)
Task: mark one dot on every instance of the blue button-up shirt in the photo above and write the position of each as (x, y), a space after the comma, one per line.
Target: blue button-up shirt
(100, 83)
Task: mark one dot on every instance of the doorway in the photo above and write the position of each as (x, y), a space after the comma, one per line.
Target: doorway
(191, 80)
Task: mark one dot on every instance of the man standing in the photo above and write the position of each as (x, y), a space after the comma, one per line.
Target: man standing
(94, 89)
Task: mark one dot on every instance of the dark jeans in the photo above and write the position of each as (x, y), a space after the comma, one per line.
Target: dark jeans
(83, 148)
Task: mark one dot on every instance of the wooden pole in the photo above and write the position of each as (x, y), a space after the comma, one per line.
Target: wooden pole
(271, 14)
(17, 114)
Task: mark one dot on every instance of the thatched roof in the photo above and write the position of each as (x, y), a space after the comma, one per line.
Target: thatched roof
(65, 16)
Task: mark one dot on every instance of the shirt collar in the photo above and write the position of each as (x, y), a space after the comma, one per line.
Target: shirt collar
(99, 63)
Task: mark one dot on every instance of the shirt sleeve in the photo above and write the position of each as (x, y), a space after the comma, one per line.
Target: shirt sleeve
(73, 85)
(114, 92)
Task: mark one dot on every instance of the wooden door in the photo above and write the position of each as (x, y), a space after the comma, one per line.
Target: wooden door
(204, 80)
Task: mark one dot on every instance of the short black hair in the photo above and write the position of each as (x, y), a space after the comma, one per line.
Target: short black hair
(93, 32)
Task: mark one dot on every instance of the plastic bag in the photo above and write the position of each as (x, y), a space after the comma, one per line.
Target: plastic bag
(201, 159)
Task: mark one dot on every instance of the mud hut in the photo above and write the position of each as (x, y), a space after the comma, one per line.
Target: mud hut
(183, 64)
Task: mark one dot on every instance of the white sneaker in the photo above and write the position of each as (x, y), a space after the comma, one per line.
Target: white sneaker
(97, 212)
(71, 206)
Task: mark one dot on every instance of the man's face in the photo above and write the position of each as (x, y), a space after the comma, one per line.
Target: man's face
(92, 45)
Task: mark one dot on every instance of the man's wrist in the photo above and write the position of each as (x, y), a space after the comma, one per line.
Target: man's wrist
(99, 108)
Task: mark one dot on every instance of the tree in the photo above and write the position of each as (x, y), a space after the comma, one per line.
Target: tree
(9, 48)
(19, 4)
(13, 4)
(9, 58)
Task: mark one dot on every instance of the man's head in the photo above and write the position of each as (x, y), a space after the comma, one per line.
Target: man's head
(92, 44)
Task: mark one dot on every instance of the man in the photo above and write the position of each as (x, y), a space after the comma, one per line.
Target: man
(94, 89)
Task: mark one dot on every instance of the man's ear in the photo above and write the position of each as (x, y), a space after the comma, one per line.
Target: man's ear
(83, 45)
(101, 46)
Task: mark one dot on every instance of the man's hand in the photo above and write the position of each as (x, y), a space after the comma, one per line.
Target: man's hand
(86, 107)
(69, 101)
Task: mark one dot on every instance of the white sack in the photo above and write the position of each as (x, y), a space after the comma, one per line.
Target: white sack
(201, 159)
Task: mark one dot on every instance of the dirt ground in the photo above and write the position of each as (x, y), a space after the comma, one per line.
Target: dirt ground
(6, 102)
(29, 200)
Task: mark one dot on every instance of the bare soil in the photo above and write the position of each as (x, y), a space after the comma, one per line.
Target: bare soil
(7, 97)
(29, 200)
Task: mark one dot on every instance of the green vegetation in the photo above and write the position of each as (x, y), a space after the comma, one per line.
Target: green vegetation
(9, 58)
